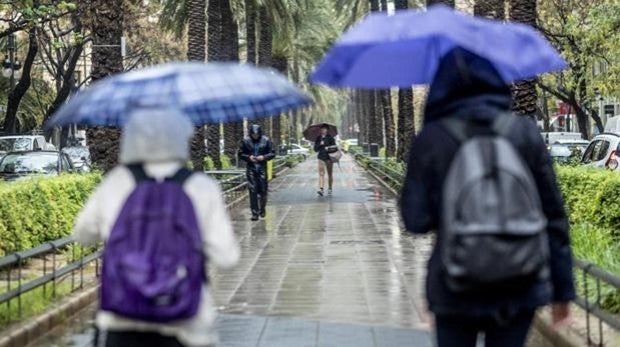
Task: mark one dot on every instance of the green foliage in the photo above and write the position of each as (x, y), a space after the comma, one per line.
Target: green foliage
(40, 210)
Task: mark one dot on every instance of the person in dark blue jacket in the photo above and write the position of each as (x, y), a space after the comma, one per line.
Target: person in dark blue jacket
(256, 150)
(468, 87)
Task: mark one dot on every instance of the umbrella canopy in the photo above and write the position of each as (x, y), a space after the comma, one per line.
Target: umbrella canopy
(313, 131)
(206, 93)
(405, 49)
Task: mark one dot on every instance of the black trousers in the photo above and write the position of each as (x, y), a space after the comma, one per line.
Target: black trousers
(258, 187)
(463, 331)
(134, 339)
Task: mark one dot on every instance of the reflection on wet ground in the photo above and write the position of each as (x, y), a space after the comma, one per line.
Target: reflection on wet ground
(341, 259)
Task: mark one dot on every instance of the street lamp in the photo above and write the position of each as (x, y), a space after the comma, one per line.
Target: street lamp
(11, 67)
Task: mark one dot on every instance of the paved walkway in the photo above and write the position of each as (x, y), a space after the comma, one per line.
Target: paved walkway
(323, 271)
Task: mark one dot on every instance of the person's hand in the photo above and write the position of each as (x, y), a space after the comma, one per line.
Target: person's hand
(260, 158)
(322, 142)
(253, 159)
(560, 313)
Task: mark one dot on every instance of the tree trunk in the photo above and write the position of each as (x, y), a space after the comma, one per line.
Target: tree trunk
(524, 92)
(265, 52)
(196, 45)
(445, 2)
(233, 131)
(215, 53)
(280, 63)
(494, 9)
(20, 90)
(250, 30)
(388, 123)
(375, 6)
(406, 121)
(106, 24)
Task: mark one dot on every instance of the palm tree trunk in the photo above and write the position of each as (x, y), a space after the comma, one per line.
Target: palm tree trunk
(280, 63)
(524, 93)
(265, 52)
(494, 9)
(406, 120)
(196, 45)
(250, 30)
(445, 2)
(215, 53)
(106, 19)
(233, 132)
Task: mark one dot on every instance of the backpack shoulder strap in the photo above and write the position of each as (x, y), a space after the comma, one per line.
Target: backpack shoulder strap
(138, 173)
(181, 176)
(456, 128)
(502, 125)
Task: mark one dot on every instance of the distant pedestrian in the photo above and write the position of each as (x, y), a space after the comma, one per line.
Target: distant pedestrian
(161, 224)
(324, 145)
(256, 150)
(483, 179)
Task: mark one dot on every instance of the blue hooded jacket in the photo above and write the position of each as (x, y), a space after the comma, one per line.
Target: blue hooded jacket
(468, 87)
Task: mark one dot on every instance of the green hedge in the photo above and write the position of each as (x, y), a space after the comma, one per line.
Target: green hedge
(40, 210)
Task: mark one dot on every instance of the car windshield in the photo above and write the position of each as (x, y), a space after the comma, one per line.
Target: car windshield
(35, 162)
(14, 144)
(568, 149)
(77, 153)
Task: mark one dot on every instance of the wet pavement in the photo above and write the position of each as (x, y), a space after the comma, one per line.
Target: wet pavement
(321, 271)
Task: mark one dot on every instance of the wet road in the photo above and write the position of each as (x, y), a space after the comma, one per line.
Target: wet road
(321, 271)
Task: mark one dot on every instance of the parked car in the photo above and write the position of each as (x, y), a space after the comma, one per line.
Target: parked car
(553, 137)
(80, 157)
(24, 143)
(19, 165)
(353, 142)
(564, 151)
(293, 149)
(603, 151)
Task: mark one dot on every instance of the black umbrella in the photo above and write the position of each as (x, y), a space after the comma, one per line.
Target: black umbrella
(313, 131)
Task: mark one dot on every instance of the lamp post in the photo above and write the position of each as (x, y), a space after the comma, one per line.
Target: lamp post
(11, 67)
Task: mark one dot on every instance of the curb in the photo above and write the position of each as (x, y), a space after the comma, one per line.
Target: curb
(31, 330)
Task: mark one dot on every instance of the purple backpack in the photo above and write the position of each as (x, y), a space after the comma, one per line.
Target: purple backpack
(153, 261)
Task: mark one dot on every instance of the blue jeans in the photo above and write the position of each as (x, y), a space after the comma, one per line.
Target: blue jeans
(463, 330)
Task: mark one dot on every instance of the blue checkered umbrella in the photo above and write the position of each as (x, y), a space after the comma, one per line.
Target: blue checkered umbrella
(207, 93)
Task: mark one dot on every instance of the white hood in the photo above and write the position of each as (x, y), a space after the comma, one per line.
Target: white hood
(156, 135)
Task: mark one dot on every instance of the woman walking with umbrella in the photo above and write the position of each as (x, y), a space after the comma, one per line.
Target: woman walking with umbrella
(324, 144)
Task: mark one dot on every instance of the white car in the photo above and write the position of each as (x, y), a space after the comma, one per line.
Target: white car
(603, 152)
(353, 142)
(297, 149)
(564, 150)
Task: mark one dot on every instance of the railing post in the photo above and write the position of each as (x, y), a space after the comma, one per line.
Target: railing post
(19, 285)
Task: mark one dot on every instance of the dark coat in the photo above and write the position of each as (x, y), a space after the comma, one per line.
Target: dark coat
(477, 93)
(323, 153)
(263, 147)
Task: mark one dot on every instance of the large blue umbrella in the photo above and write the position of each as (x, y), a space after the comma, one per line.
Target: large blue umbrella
(404, 49)
(206, 93)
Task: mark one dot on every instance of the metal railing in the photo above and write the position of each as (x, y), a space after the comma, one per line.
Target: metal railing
(63, 266)
(592, 280)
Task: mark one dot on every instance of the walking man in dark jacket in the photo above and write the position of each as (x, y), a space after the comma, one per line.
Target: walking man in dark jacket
(256, 150)
(468, 88)
(323, 145)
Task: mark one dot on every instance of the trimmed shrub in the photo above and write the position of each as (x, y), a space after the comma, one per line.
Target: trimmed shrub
(41, 210)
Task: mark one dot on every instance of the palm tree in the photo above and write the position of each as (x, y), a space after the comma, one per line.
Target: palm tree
(406, 120)
(215, 52)
(265, 51)
(196, 52)
(250, 30)
(495, 9)
(233, 132)
(445, 2)
(524, 92)
(105, 18)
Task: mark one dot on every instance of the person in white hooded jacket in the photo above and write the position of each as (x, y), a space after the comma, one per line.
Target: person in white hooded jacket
(159, 140)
